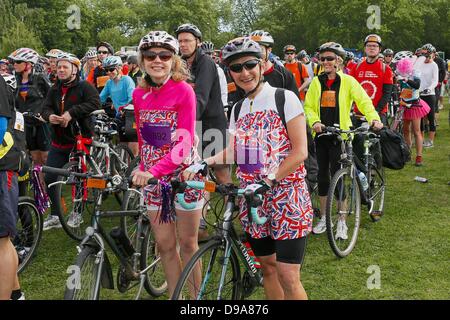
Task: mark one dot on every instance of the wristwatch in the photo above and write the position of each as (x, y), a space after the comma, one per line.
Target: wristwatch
(272, 179)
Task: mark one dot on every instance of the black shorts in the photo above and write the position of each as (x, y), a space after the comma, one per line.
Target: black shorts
(38, 137)
(287, 251)
(9, 199)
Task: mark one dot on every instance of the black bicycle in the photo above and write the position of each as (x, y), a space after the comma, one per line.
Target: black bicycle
(357, 182)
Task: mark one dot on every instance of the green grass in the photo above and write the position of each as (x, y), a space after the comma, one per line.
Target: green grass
(410, 245)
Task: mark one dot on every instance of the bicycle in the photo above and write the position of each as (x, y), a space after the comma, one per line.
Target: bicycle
(93, 268)
(346, 192)
(219, 257)
(106, 160)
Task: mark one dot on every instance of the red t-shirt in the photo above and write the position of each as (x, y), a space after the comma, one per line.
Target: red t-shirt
(294, 68)
(372, 79)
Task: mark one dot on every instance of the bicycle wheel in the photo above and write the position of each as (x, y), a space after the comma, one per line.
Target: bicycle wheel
(76, 202)
(130, 202)
(376, 192)
(343, 204)
(29, 231)
(210, 258)
(155, 282)
(313, 188)
(120, 165)
(81, 285)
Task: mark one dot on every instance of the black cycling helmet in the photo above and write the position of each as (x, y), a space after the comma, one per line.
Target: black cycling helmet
(107, 46)
(333, 47)
(190, 28)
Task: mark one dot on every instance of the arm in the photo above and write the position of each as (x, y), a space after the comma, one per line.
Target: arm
(105, 92)
(203, 84)
(435, 78)
(414, 83)
(185, 134)
(3, 127)
(387, 91)
(312, 105)
(306, 79)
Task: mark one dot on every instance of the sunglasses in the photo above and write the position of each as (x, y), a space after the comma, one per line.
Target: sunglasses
(388, 56)
(248, 65)
(18, 62)
(290, 52)
(102, 52)
(322, 59)
(163, 55)
(110, 69)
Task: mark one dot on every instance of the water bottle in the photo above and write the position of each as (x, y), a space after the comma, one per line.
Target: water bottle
(363, 179)
(421, 179)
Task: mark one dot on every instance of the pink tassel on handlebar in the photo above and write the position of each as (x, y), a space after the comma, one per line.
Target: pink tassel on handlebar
(167, 212)
(40, 196)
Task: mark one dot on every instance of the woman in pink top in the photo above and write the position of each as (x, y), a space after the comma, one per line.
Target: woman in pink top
(165, 110)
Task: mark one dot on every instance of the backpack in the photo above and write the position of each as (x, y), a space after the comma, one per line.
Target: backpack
(395, 152)
(311, 165)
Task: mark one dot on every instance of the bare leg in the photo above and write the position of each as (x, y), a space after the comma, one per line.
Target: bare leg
(289, 277)
(8, 268)
(272, 285)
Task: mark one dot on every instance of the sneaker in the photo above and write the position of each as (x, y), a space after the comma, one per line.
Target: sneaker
(341, 230)
(418, 161)
(51, 222)
(75, 220)
(321, 227)
(428, 144)
(21, 297)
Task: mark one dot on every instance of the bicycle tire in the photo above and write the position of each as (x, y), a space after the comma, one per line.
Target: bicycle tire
(82, 207)
(128, 223)
(210, 255)
(29, 224)
(155, 281)
(86, 266)
(340, 247)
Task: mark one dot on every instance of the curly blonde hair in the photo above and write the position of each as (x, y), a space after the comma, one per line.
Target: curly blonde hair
(179, 70)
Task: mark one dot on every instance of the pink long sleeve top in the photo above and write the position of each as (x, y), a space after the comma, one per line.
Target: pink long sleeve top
(165, 120)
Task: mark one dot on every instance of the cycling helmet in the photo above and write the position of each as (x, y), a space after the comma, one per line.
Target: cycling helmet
(333, 47)
(53, 53)
(159, 39)
(190, 28)
(43, 60)
(112, 62)
(289, 48)
(349, 55)
(207, 47)
(402, 54)
(132, 59)
(25, 54)
(302, 54)
(106, 45)
(373, 38)
(388, 52)
(65, 56)
(239, 47)
(91, 54)
(264, 38)
(39, 68)
(10, 81)
(429, 48)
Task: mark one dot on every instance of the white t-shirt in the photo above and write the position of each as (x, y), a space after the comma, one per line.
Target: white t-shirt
(429, 76)
(265, 100)
(223, 85)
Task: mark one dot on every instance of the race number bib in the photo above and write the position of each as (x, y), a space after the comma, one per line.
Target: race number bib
(156, 134)
(328, 99)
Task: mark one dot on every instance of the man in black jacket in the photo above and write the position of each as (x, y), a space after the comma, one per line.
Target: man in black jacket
(68, 101)
(205, 81)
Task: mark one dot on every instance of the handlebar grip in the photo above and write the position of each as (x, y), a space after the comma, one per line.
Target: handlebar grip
(62, 172)
(184, 204)
(256, 218)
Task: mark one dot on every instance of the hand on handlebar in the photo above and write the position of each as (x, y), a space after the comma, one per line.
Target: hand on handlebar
(377, 125)
(199, 167)
(259, 187)
(318, 127)
(141, 178)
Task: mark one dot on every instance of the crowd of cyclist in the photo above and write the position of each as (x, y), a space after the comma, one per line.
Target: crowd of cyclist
(182, 90)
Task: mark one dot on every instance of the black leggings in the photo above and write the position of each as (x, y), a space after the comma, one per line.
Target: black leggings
(431, 100)
(328, 151)
(57, 158)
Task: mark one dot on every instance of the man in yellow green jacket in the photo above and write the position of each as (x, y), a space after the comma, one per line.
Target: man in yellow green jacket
(328, 102)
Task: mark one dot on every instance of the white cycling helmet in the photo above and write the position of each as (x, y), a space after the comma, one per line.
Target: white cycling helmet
(53, 53)
(65, 56)
(264, 38)
(25, 54)
(112, 62)
(159, 39)
(92, 53)
(402, 54)
(10, 81)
